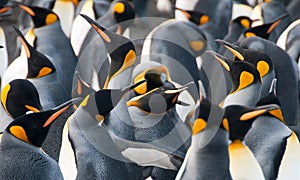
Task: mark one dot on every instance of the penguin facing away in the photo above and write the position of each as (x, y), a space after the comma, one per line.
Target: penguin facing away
(20, 147)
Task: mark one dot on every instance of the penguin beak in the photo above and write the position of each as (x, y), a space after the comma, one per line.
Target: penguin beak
(100, 30)
(276, 23)
(222, 60)
(27, 9)
(5, 9)
(59, 110)
(24, 42)
(235, 50)
(31, 108)
(259, 110)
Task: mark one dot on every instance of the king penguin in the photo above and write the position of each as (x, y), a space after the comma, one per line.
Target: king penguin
(281, 61)
(246, 82)
(97, 156)
(159, 126)
(20, 149)
(260, 60)
(35, 65)
(207, 157)
(17, 98)
(269, 133)
(237, 120)
(47, 30)
(122, 54)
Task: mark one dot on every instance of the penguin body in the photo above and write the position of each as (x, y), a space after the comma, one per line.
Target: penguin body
(209, 148)
(20, 147)
(270, 133)
(290, 105)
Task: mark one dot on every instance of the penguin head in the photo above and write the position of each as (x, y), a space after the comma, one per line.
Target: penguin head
(237, 120)
(243, 21)
(243, 74)
(155, 76)
(120, 49)
(123, 11)
(271, 98)
(103, 101)
(40, 16)
(157, 101)
(195, 17)
(33, 128)
(204, 114)
(260, 60)
(38, 64)
(20, 96)
(264, 30)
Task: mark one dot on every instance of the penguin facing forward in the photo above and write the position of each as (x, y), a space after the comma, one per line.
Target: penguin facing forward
(97, 155)
(260, 60)
(246, 82)
(207, 157)
(161, 127)
(237, 121)
(20, 150)
(122, 53)
(35, 65)
(281, 61)
(17, 98)
(269, 133)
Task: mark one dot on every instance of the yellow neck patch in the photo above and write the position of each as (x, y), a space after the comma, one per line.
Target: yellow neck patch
(249, 34)
(204, 19)
(51, 18)
(85, 101)
(278, 114)
(44, 71)
(199, 125)
(263, 68)
(197, 45)
(19, 133)
(119, 8)
(225, 124)
(141, 89)
(246, 79)
(4, 95)
(245, 23)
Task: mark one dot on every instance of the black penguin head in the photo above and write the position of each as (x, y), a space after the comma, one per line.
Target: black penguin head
(33, 128)
(242, 73)
(103, 101)
(243, 21)
(196, 17)
(155, 76)
(123, 11)
(238, 119)
(20, 96)
(40, 16)
(271, 98)
(120, 49)
(38, 64)
(260, 60)
(157, 101)
(206, 111)
(264, 30)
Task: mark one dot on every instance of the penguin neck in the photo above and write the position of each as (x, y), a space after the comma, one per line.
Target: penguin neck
(10, 140)
(266, 82)
(248, 96)
(243, 164)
